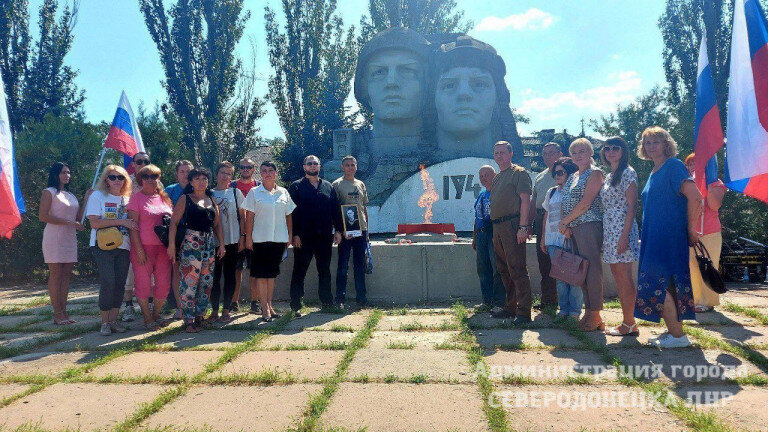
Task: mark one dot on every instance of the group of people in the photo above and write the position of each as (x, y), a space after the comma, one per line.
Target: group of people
(574, 206)
(178, 243)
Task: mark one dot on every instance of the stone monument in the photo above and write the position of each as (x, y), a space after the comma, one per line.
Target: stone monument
(439, 102)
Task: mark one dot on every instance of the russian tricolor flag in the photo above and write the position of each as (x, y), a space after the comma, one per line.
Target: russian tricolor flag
(708, 132)
(11, 201)
(124, 135)
(746, 160)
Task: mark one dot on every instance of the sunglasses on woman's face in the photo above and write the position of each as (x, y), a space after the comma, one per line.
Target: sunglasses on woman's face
(150, 176)
(116, 177)
(246, 167)
(612, 148)
(141, 161)
(559, 173)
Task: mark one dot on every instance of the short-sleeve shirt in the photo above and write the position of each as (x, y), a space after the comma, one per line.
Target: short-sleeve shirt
(553, 200)
(352, 192)
(507, 187)
(230, 223)
(542, 183)
(243, 186)
(483, 210)
(151, 209)
(269, 209)
(712, 217)
(110, 207)
(174, 192)
(573, 192)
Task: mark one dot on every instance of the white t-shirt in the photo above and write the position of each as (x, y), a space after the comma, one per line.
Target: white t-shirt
(225, 199)
(269, 209)
(553, 205)
(108, 206)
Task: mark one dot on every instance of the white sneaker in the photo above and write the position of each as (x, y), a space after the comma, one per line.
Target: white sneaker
(106, 330)
(128, 314)
(675, 342)
(117, 328)
(656, 340)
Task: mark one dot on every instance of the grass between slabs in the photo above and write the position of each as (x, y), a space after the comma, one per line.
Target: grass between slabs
(748, 311)
(706, 340)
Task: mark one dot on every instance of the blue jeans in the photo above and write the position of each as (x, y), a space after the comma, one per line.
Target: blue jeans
(570, 298)
(491, 286)
(357, 248)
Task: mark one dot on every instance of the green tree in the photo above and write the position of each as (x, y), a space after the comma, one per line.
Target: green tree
(163, 134)
(313, 61)
(37, 81)
(425, 16)
(196, 40)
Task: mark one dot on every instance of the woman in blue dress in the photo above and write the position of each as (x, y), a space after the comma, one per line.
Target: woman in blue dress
(671, 208)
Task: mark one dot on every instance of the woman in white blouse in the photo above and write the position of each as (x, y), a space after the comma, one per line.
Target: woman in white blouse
(268, 210)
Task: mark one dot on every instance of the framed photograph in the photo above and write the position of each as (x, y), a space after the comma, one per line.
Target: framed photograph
(350, 214)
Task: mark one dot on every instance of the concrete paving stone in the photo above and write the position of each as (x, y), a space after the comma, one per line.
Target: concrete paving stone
(404, 322)
(614, 317)
(646, 332)
(748, 335)
(303, 364)
(206, 339)
(84, 406)
(420, 340)
(605, 407)
(13, 321)
(83, 298)
(484, 320)
(437, 365)
(20, 340)
(247, 321)
(10, 390)
(757, 298)
(325, 321)
(44, 363)
(82, 322)
(545, 365)
(684, 366)
(406, 407)
(164, 364)
(723, 317)
(93, 341)
(305, 339)
(743, 407)
(270, 408)
(540, 338)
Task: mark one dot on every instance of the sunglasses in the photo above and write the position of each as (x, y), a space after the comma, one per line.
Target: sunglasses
(116, 177)
(612, 148)
(246, 167)
(312, 163)
(141, 161)
(559, 172)
(150, 176)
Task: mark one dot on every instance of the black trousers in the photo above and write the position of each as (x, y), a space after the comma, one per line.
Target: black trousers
(319, 246)
(227, 267)
(548, 284)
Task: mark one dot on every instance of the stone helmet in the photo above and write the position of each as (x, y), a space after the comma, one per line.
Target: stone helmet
(391, 38)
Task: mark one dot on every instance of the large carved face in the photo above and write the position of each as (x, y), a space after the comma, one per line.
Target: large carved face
(464, 99)
(395, 85)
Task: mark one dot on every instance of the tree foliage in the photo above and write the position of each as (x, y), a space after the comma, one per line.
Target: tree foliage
(313, 61)
(425, 16)
(37, 81)
(206, 86)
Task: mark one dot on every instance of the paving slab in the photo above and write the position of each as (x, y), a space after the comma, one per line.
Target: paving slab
(302, 364)
(83, 321)
(743, 407)
(12, 389)
(584, 408)
(271, 408)
(44, 363)
(533, 338)
(646, 333)
(420, 340)
(325, 321)
(406, 407)
(246, 321)
(20, 340)
(723, 317)
(13, 321)
(416, 322)
(83, 406)
(436, 365)
(684, 366)
(484, 320)
(757, 299)
(93, 341)
(748, 335)
(546, 366)
(163, 363)
(306, 339)
(206, 339)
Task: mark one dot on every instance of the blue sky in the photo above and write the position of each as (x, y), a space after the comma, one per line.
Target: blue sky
(565, 59)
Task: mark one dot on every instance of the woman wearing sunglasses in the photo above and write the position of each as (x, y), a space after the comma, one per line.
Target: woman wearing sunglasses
(106, 208)
(148, 254)
(621, 239)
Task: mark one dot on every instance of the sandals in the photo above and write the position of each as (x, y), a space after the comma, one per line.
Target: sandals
(616, 331)
(592, 326)
(61, 322)
(703, 309)
(192, 327)
(225, 319)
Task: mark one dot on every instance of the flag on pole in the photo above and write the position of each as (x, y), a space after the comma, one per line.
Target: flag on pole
(707, 132)
(124, 135)
(747, 144)
(11, 201)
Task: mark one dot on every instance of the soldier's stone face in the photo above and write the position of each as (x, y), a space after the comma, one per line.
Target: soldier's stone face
(395, 85)
(465, 98)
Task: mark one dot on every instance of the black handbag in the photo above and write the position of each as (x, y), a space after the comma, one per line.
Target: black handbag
(709, 273)
(163, 230)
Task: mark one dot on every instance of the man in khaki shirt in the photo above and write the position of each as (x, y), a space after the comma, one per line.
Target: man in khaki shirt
(510, 202)
(544, 181)
(351, 191)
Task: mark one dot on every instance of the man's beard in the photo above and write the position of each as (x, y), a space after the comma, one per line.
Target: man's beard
(313, 174)
(246, 177)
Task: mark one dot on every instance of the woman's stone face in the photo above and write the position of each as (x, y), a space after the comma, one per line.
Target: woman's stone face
(394, 78)
(465, 98)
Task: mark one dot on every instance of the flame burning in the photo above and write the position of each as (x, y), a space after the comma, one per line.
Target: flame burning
(430, 196)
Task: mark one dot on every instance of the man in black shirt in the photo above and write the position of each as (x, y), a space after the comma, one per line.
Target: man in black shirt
(316, 216)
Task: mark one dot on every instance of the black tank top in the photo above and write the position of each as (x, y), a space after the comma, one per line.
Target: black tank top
(199, 218)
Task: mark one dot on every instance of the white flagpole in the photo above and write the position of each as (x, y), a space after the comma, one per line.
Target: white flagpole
(95, 177)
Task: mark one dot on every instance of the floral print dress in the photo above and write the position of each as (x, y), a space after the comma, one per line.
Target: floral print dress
(615, 208)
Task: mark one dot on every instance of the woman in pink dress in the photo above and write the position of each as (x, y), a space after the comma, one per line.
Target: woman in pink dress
(61, 213)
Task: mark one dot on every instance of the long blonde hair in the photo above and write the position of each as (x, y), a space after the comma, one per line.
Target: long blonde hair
(103, 186)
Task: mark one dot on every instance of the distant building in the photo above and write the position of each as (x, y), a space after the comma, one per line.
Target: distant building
(532, 144)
